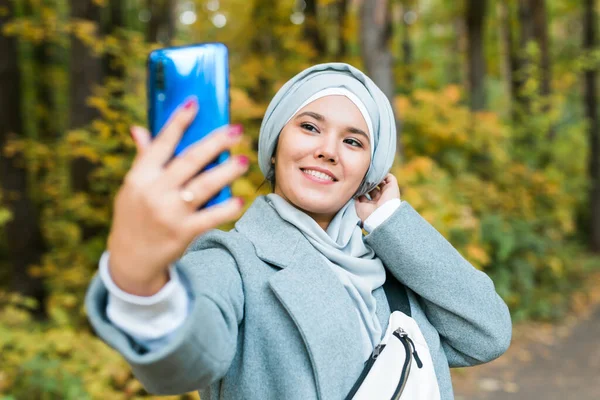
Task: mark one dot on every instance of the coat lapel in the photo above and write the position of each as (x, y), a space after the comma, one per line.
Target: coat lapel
(312, 294)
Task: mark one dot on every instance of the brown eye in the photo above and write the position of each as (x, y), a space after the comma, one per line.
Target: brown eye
(308, 127)
(357, 143)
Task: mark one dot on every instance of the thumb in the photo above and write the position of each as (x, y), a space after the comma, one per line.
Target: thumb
(141, 138)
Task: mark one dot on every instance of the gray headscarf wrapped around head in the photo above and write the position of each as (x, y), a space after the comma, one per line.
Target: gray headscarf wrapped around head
(332, 75)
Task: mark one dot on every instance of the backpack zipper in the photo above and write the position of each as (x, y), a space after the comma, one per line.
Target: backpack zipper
(368, 365)
(408, 344)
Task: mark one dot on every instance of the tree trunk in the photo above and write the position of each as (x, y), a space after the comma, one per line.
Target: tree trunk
(161, 28)
(407, 49)
(540, 33)
(590, 22)
(375, 35)
(111, 65)
(264, 42)
(475, 21)
(525, 11)
(86, 72)
(311, 28)
(23, 234)
(85, 67)
(506, 44)
(515, 62)
(44, 58)
(342, 12)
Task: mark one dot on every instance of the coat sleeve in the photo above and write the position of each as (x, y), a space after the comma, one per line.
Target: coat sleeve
(201, 350)
(460, 301)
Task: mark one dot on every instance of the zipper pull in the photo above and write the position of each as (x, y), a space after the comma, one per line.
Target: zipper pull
(401, 332)
(415, 355)
(377, 351)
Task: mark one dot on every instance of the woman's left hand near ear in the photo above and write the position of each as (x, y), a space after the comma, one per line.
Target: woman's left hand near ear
(387, 189)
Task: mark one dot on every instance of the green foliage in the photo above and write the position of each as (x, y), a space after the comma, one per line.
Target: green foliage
(503, 193)
(54, 361)
(469, 175)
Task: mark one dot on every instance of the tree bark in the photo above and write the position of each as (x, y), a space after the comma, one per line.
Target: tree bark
(540, 33)
(85, 67)
(590, 21)
(533, 22)
(23, 234)
(86, 72)
(375, 35)
(407, 49)
(475, 21)
(311, 28)
(506, 44)
(44, 58)
(264, 42)
(526, 35)
(112, 66)
(161, 28)
(342, 12)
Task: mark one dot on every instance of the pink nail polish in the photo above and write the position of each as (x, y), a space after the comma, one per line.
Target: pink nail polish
(243, 160)
(189, 103)
(235, 130)
(240, 201)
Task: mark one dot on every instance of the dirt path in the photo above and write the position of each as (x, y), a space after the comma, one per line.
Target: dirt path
(544, 362)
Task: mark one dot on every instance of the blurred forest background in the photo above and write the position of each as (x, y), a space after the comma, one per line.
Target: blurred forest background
(499, 144)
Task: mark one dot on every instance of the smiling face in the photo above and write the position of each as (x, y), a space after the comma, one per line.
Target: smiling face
(323, 154)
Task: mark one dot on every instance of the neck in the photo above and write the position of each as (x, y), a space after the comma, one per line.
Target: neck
(323, 220)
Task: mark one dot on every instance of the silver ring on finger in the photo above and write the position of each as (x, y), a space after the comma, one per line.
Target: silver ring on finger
(187, 196)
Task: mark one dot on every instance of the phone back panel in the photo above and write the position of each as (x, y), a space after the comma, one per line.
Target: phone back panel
(176, 73)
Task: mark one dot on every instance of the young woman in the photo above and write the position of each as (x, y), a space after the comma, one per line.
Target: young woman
(289, 304)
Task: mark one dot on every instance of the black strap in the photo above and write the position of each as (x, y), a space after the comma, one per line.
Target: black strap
(398, 301)
(396, 294)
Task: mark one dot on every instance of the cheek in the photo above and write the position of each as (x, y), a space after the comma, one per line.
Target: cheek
(357, 166)
(293, 147)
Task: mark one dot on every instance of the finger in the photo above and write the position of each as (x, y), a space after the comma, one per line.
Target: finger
(141, 138)
(213, 216)
(390, 179)
(166, 141)
(210, 182)
(195, 158)
(375, 195)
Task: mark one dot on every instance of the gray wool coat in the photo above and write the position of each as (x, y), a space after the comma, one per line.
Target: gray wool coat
(270, 320)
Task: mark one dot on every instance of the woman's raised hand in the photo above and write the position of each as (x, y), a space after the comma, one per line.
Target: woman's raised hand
(386, 190)
(155, 211)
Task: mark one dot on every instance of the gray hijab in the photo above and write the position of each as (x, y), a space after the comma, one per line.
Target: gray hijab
(313, 80)
(355, 264)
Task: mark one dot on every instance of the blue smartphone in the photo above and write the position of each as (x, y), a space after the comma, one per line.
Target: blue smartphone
(174, 74)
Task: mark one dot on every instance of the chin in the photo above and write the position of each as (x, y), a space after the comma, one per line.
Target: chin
(318, 203)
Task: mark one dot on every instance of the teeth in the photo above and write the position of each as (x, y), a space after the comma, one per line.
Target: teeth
(317, 174)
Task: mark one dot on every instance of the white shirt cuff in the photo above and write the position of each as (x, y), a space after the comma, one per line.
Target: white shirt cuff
(142, 317)
(382, 213)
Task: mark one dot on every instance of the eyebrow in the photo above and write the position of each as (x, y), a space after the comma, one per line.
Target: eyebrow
(321, 118)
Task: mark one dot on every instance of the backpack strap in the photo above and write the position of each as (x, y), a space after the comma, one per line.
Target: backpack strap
(396, 294)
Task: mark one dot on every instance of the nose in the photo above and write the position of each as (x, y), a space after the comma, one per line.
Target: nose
(327, 149)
